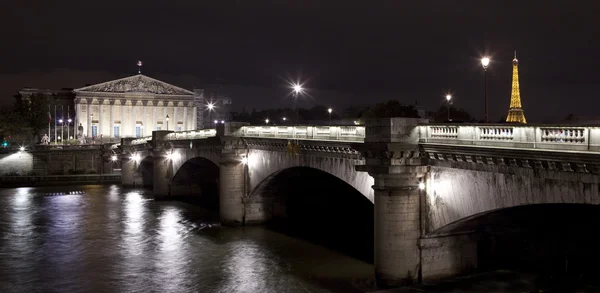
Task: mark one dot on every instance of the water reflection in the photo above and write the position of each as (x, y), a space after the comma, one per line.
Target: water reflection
(112, 240)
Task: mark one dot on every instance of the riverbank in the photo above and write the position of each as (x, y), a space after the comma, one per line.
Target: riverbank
(51, 180)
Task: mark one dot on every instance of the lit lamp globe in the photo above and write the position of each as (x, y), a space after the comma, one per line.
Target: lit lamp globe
(485, 61)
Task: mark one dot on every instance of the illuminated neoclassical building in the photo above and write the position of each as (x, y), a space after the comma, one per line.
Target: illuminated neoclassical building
(133, 107)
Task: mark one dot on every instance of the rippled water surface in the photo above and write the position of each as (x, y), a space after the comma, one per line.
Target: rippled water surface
(109, 239)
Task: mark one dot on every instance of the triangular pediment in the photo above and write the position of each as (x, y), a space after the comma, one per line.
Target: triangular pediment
(135, 84)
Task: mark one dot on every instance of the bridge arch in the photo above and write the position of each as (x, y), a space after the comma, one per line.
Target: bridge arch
(264, 163)
(144, 175)
(318, 206)
(456, 194)
(550, 238)
(197, 179)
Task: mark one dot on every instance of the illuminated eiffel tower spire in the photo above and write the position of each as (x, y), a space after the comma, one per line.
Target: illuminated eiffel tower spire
(515, 112)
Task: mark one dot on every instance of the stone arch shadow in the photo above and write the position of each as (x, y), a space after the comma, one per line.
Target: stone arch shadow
(544, 238)
(197, 180)
(317, 206)
(144, 174)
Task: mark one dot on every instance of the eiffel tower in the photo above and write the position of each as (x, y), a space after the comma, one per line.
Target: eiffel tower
(515, 112)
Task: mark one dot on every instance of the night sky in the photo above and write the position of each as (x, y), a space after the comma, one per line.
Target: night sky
(355, 52)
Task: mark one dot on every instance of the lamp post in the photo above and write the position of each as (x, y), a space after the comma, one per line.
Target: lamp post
(69, 128)
(167, 118)
(210, 107)
(284, 119)
(62, 130)
(448, 98)
(267, 121)
(485, 61)
(329, 111)
(297, 90)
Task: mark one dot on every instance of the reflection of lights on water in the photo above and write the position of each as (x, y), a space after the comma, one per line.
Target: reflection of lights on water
(169, 229)
(23, 196)
(134, 207)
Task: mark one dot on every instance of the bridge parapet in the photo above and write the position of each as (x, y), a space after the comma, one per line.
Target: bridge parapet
(335, 133)
(548, 137)
(192, 134)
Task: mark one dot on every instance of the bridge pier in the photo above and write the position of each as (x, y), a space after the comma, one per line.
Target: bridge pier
(448, 255)
(392, 157)
(232, 182)
(128, 164)
(163, 164)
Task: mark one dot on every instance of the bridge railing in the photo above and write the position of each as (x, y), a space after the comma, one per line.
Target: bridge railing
(192, 134)
(141, 140)
(340, 133)
(556, 137)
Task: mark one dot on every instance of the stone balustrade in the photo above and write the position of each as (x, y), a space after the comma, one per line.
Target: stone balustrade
(192, 134)
(323, 133)
(553, 137)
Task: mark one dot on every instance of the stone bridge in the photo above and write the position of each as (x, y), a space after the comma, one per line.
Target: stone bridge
(431, 187)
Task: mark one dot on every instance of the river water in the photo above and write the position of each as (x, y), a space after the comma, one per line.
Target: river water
(109, 239)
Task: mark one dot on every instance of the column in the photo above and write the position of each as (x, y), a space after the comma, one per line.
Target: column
(175, 116)
(100, 120)
(185, 118)
(395, 164)
(111, 123)
(165, 105)
(133, 117)
(123, 123)
(89, 119)
(163, 167)
(154, 124)
(195, 118)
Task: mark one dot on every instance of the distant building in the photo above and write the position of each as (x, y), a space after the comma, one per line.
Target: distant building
(133, 107)
(63, 99)
(216, 105)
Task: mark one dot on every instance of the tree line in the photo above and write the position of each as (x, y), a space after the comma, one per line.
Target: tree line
(320, 114)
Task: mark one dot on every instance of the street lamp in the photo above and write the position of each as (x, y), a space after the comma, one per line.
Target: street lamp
(267, 121)
(485, 61)
(284, 119)
(62, 129)
(297, 90)
(210, 107)
(329, 110)
(69, 128)
(448, 98)
(216, 121)
(167, 118)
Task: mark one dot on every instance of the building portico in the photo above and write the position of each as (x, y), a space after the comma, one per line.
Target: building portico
(133, 107)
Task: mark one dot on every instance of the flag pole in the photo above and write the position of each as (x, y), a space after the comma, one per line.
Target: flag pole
(49, 121)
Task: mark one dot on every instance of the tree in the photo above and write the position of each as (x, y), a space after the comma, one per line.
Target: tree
(11, 125)
(390, 109)
(456, 114)
(33, 112)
